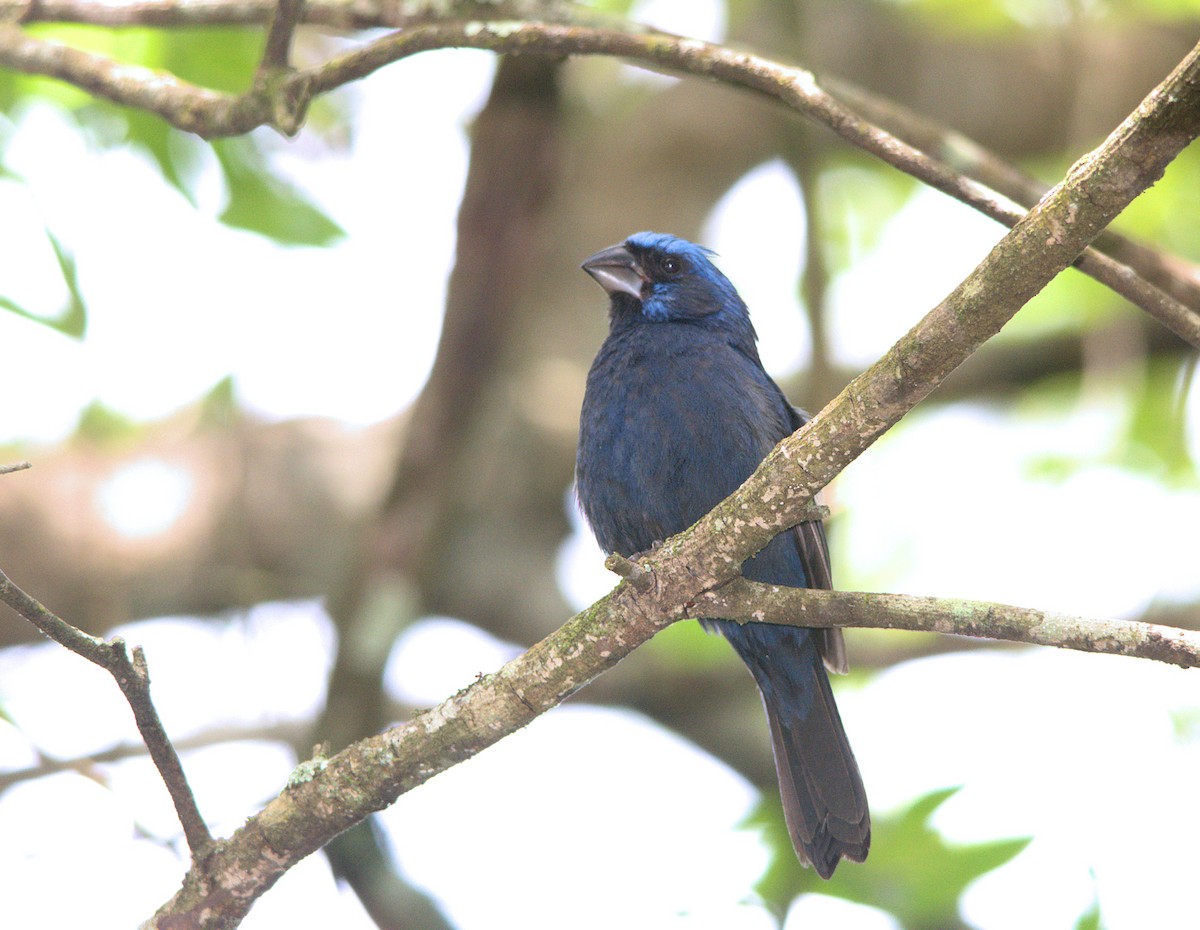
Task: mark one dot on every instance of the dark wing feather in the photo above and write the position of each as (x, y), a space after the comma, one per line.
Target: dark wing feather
(814, 554)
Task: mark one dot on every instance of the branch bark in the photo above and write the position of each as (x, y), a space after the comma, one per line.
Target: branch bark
(282, 102)
(1167, 273)
(749, 601)
(514, 170)
(330, 795)
(133, 678)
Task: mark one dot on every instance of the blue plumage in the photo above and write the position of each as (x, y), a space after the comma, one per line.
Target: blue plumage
(678, 412)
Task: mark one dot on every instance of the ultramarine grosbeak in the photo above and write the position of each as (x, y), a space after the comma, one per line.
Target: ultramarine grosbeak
(678, 412)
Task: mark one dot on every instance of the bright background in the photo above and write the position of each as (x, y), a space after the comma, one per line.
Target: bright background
(1033, 501)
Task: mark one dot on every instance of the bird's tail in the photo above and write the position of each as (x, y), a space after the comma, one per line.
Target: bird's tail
(824, 801)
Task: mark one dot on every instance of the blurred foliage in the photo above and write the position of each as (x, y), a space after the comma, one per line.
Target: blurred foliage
(260, 202)
(219, 407)
(858, 196)
(688, 645)
(1186, 725)
(980, 16)
(612, 7)
(221, 59)
(1159, 215)
(101, 425)
(70, 320)
(914, 873)
(1149, 429)
(1090, 920)
(992, 16)
(1155, 440)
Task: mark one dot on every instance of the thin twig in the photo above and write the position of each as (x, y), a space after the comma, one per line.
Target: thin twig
(277, 50)
(628, 569)
(1048, 240)
(372, 773)
(133, 678)
(277, 84)
(283, 103)
(15, 466)
(288, 732)
(795, 87)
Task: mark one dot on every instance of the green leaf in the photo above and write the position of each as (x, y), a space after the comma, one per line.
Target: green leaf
(158, 140)
(219, 407)
(219, 58)
(911, 872)
(261, 203)
(1090, 919)
(102, 425)
(1156, 440)
(71, 320)
(857, 199)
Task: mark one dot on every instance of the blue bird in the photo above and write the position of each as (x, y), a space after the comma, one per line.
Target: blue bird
(677, 414)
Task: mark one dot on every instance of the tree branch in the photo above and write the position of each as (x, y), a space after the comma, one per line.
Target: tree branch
(336, 14)
(370, 774)
(278, 47)
(1044, 243)
(133, 678)
(749, 601)
(288, 732)
(1171, 274)
(280, 98)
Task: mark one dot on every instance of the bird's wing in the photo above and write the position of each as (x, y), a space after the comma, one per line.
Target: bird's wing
(814, 554)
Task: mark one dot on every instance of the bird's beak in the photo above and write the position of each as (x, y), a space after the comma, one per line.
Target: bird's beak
(617, 271)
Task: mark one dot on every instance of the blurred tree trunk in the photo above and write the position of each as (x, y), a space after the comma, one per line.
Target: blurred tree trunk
(430, 517)
(562, 164)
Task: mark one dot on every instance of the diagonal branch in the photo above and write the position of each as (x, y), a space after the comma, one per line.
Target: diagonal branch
(1047, 241)
(1165, 290)
(1168, 273)
(369, 775)
(133, 678)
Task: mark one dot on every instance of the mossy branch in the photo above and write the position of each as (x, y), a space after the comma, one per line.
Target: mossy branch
(692, 571)
(279, 97)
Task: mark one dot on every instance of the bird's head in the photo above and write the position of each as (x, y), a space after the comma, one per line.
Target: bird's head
(663, 279)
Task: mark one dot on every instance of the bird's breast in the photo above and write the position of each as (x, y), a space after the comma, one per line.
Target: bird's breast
(664, 436)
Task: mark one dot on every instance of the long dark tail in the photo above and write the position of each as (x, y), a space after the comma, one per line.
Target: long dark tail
(824, 801)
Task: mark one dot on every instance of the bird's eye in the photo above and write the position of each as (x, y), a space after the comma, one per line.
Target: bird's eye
(671, 265)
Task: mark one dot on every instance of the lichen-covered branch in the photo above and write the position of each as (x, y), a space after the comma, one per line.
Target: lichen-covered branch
(1044, 243)
(1169, 273)
(329, 795)
(280, 97)
(748, 601)
(133, 678)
